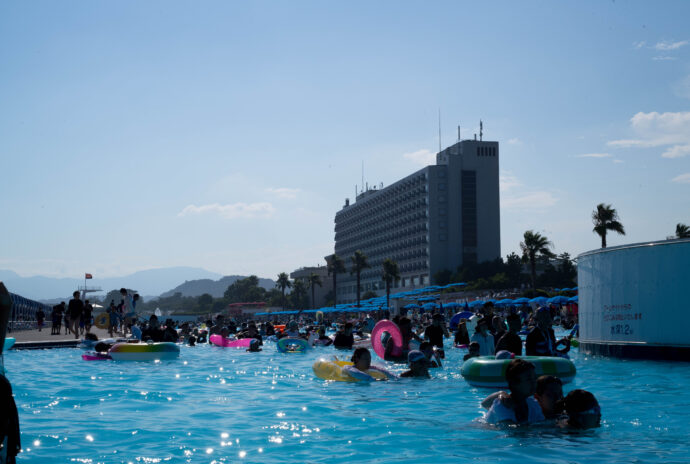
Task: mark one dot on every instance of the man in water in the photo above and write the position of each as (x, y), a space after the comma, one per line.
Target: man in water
(419, 365)
(511, 340)
(520, 407)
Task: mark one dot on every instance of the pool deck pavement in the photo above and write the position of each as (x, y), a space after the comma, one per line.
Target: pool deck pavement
(33, 339)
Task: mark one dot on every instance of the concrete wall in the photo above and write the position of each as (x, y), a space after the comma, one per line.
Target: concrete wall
(635, 295)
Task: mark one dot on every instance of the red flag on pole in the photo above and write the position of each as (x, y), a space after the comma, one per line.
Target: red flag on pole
(88, 276)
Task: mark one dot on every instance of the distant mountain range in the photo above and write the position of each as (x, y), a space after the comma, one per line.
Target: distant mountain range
(215, 288)
(148, 282)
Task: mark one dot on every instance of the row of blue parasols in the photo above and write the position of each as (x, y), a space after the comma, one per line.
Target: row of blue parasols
(373, 304)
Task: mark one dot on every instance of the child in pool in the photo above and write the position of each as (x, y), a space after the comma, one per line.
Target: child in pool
(428, 349)
(473, 351)
(583, 410)
(519, 407)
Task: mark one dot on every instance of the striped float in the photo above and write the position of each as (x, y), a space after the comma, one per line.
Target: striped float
(144, 351)
(487, 371)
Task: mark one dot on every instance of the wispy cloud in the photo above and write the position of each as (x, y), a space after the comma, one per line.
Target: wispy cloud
(515, 141)
(665, 45)
(283, 192)
(594, 155)
(421, 157)
(618, 161)
(231, 211)
(529, 201)
(658, 130)
(682, 179)
(664, 58)
(507, 181)
(639, 44)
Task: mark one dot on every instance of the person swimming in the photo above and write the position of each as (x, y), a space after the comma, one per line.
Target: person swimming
(520, 407)
(419, 365)
(583, 410)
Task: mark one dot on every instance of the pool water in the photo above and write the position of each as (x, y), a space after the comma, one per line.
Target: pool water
(227, 405)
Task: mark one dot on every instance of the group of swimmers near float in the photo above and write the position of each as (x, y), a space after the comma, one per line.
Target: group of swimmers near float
(494, 357)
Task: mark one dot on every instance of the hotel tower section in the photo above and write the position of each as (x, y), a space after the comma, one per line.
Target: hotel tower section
(437, 218)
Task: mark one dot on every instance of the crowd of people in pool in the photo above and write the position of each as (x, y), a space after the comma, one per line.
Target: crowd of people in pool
(497, 334)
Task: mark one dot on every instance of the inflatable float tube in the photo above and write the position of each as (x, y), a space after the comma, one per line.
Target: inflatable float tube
(102, 321)
(487, 371)
(280, 328)
(144, 351)
(362, 343)
(380, 328)
(95, 356)
(218, 340)
(333, 370)
(9, 343)
(292, 345)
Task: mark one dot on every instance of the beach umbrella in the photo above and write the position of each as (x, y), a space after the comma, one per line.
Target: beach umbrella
(411, 306)
(428, 306)
(522, 300)
(574, 299)
(452, 304)
(557, 300)
(540, 300)
(504, 302)
(474, 304)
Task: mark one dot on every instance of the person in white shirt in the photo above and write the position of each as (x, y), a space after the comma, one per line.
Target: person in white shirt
(520, 407)
(484, 338)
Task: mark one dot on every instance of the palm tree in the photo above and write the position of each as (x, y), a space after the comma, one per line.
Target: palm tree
(391, 274)
(682, 231)
(535, 246)
(606, 218)
(283, 283)
(313, 280)
(299, 292)
(336, 266)
(359, 262)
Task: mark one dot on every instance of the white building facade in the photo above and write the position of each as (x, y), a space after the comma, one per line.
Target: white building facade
(437, 218)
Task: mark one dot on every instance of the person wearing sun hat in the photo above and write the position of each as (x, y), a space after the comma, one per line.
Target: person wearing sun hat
(484, 337)
(419, 365)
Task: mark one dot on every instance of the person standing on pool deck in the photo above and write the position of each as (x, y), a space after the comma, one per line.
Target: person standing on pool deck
(75, 309)
(520, 407)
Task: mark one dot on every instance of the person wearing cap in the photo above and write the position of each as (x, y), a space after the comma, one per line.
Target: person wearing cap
(419, 365)
(484, 338)
(541, 340)
(344, 338)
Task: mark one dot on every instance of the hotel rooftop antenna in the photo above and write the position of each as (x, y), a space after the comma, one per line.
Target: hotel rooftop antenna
(481, 130)
(362, 175)
(459, 138)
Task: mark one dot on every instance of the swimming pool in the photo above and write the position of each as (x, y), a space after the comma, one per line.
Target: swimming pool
(226, 405)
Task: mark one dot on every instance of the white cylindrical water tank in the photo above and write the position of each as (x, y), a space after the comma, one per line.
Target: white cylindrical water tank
(634, 300)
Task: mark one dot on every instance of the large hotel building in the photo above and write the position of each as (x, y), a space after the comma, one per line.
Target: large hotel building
(438, 218)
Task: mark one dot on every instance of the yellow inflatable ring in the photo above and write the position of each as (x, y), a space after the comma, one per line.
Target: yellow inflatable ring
(333, 370)
(102, 321)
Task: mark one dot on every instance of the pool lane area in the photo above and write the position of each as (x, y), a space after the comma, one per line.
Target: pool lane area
(222, 405)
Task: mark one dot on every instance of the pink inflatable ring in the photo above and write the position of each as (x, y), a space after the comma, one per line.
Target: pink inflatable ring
(392, 329)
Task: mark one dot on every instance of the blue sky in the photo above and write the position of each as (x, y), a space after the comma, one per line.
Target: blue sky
(225, 135)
